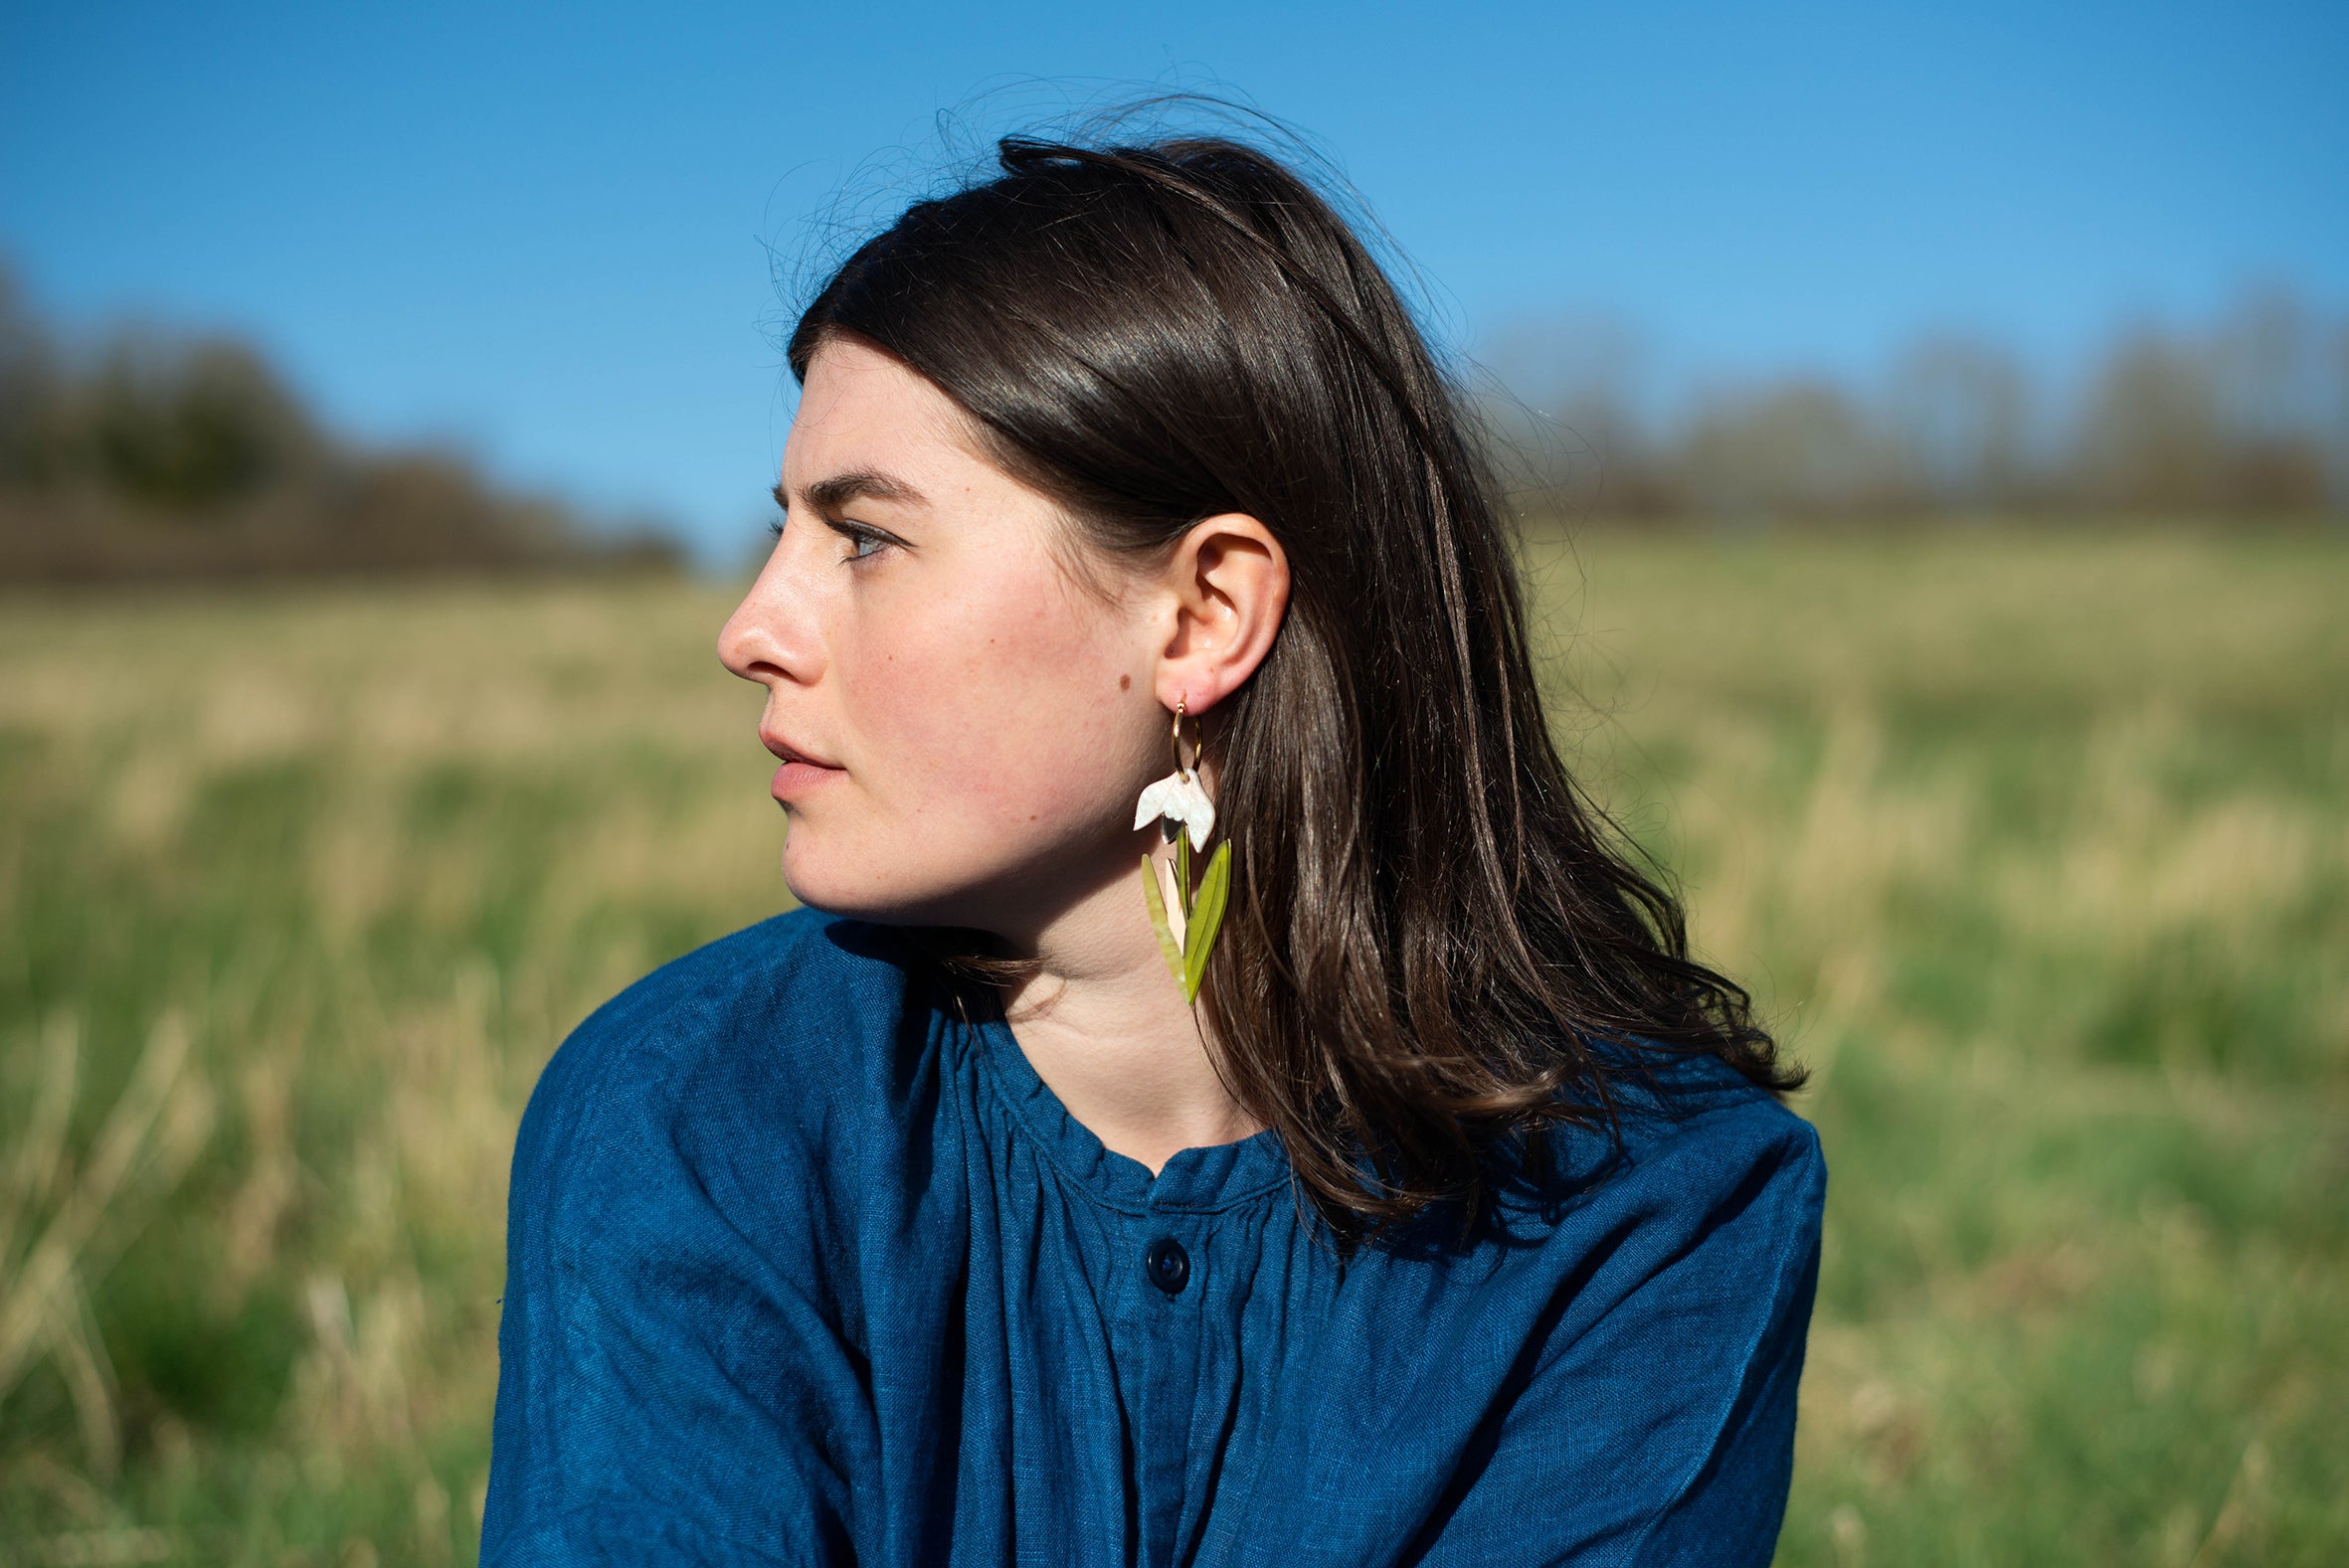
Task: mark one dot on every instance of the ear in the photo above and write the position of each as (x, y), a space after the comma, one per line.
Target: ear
(1227, 585)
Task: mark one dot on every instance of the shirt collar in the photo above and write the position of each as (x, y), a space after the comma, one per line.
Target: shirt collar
(1193, 1180)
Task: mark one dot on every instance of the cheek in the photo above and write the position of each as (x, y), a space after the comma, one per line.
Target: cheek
(997, 717)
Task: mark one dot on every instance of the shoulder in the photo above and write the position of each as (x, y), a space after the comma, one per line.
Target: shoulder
(682, 1237)
(1694, 1125)
(794, 1017)
(1665, 1313)
(1685, 1143)
(1701, 1108)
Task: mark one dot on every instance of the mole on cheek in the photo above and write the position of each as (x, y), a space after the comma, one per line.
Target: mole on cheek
(1124, 682)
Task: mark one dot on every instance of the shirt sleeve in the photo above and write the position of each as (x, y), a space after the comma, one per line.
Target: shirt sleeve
(1654, 1422)
(671, 1390)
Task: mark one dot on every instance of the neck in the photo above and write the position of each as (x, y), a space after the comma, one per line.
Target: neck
(1105, 1026)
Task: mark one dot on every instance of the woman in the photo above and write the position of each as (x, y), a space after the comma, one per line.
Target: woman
(1004, 1202)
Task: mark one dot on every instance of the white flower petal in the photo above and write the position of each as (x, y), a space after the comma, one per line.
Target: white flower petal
(1198, 812)
(1163, 799)
(1181, 800)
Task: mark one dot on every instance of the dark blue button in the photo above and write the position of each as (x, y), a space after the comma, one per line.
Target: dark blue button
(1168, 1264)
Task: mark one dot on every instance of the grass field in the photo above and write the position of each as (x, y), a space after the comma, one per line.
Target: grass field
(2038, 850)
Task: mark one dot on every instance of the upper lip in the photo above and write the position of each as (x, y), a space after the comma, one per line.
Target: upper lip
(789, 753)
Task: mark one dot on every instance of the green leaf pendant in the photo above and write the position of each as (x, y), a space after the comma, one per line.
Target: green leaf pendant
(1170, 949)
(1187, 935)
(1207, 915)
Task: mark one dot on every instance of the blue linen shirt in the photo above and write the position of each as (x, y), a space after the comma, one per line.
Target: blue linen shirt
(803, 1269)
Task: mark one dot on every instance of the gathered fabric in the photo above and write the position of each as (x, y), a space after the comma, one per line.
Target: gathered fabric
(805, 1268)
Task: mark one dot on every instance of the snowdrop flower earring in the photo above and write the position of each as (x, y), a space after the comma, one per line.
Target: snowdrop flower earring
(1185, 920)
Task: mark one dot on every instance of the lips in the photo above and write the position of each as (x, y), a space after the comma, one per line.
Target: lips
(791, 753)
(802, 771)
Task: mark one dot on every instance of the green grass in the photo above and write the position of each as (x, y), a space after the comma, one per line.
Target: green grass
(2037, 850)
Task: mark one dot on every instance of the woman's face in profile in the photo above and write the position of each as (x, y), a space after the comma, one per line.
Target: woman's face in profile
(963, 729)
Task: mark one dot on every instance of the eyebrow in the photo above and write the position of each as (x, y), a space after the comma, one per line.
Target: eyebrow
(830, 495)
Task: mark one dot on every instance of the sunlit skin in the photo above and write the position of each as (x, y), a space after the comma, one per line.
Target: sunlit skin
(978, 725)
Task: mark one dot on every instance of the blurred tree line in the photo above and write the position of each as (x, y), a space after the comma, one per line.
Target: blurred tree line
(2243, 418)
(151, 455)
(156, 455)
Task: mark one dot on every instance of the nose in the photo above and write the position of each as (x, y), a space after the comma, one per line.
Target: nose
(769, 638)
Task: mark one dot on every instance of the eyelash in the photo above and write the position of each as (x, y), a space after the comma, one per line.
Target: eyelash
(856, 533)
(858, 536)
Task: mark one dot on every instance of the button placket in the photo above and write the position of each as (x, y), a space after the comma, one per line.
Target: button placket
(1169, 1319)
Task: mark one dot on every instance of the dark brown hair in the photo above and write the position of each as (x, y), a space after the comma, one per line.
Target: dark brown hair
(1431, 925)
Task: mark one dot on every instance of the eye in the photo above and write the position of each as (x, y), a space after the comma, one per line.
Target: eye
(865, 542)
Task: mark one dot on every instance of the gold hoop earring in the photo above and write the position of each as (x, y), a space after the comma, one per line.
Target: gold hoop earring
(1187, 921)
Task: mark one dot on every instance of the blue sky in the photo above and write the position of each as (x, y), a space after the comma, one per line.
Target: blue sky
(548, 232)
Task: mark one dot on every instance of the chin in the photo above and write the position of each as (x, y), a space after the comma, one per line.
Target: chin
(863, 887)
